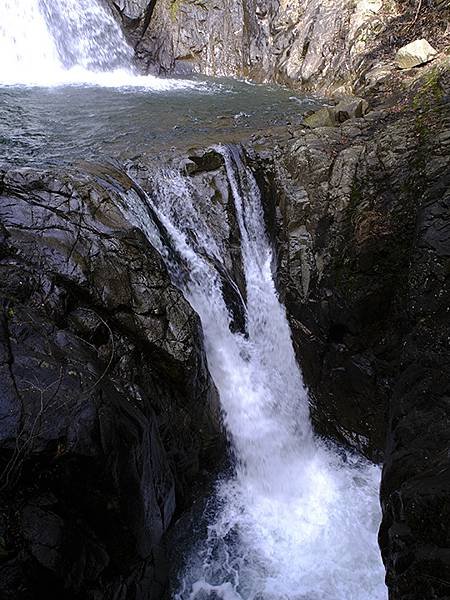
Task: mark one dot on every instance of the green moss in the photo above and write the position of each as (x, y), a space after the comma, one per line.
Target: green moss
(430, 92)
(175, 6)
(355, 195)
(426, 103)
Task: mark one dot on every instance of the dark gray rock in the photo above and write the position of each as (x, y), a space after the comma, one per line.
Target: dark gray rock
(363, 214)
(108, 412)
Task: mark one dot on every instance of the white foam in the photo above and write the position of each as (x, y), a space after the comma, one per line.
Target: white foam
(26, 48)
(52, 43)
(298, 520)
(120, 78)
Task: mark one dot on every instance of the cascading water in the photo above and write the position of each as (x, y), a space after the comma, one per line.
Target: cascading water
(297, 519)
(26, 48)
(54, 42)
(86, 35)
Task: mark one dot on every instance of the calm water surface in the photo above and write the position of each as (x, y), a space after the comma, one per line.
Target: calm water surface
(42, 126)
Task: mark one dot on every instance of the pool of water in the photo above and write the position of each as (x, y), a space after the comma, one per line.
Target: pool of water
(66, 123)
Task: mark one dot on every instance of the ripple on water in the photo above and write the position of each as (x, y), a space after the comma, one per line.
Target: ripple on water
(50, 125)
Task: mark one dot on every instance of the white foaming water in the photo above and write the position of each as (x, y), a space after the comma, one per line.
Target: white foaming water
(62, 42)
(297, 520)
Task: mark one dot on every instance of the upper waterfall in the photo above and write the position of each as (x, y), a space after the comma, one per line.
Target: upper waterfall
(86, 35)
(53, 42)
(26, 46)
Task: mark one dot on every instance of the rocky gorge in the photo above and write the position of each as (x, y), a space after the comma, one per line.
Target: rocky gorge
(111, 423)
(327, 47)
(364, 268)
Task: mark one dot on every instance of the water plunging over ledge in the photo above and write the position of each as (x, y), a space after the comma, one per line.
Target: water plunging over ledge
(57, 42)
(296, 519)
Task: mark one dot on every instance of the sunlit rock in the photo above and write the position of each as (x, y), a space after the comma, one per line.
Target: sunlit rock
(414, 54)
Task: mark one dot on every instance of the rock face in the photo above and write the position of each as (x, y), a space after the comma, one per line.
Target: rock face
(415, 53)
(343, 260)
(108, 412)
(363, 214)
(336, 47)
(348, 108)
(310, 44)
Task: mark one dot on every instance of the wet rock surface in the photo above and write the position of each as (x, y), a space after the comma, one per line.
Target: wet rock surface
(212, 200)
(362, 213)
(108, 415)
(108, 412)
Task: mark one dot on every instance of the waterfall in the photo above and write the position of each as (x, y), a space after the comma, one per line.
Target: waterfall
(26, 47)
(54, 42)
(86, 35)
(297, 519)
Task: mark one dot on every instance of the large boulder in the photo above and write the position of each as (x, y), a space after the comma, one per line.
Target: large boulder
(347, 108)
(350, 108)
(414, 54)
(324, 117)
(108, 414)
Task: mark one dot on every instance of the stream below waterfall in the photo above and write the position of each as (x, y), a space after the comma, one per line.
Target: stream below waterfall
(293, 518)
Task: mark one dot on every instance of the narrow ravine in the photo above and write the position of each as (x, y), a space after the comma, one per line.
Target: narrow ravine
(294, 518)
(298, 518)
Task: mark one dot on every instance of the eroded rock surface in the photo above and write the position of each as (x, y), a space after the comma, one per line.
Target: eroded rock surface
(108, 412)
(336, 46)
(364, 228)
(313, 45)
